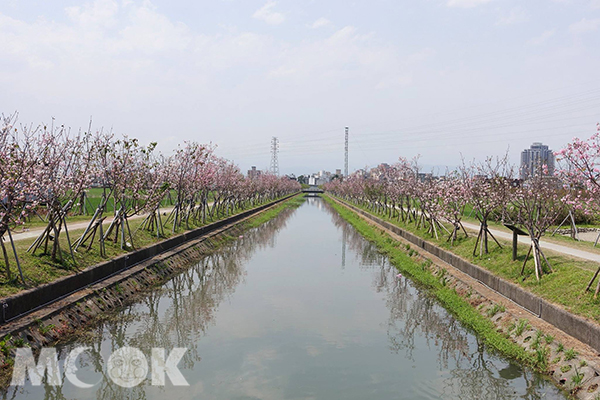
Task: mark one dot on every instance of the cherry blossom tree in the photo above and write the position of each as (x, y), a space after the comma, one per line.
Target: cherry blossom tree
(538, 204)
(428, 197)
(403, 187)
(227, 180)
(453, 198)
(156, 187)
(61, 178)
(100, 169)
(129, 168)
(488, 188)
(580, 173)
(49, 167)
(186, 166)
(18, 167)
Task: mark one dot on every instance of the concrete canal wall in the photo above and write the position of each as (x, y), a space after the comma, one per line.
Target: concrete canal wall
(15, 309)
(579, 328)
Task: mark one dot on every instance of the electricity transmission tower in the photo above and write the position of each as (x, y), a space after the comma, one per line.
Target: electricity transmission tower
(346, 155)
(274, 159)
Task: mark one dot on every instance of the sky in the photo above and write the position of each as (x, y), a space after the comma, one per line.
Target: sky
(445, 80)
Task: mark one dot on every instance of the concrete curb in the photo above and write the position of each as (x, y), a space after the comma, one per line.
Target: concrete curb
(575, 326)
(25, 302)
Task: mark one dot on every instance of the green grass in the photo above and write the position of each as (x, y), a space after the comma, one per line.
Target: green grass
(466, 313)
(495, 309)
(570, 354)
(565, 286)
(521, 326)
(558, 239)
(39, 268)
(294, 202)
(577, 378)
(94, 195)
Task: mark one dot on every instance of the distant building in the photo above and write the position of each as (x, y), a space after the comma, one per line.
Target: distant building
(338, 172)
(254, 173)
(320, 178)
(533, 158)
(424, 176)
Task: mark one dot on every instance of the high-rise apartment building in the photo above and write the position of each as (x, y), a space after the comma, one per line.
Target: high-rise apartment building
(254, 173)
(535, 157)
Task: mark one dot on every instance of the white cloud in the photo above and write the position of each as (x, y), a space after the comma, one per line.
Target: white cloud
(517, 15)
(266, 14)
(347, 55)
(395, 81)
(321, 22)
(585, 26)
(150, 31)
(100, 13)
(133, 56)
(538, 40)
(466, 3)
(422, 55)
(595, 4)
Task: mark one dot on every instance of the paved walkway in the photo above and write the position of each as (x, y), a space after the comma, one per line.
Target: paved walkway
(585, 255)
(567, 250)
(34, 233)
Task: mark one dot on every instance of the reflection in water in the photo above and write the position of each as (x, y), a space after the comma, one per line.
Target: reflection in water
(416, 316)
(298, 327)
(344, 238)
(176, 315)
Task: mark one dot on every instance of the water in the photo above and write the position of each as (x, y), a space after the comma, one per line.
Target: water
(300, 308)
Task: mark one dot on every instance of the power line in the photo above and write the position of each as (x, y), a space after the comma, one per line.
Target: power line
(540, 116)
(538, 111)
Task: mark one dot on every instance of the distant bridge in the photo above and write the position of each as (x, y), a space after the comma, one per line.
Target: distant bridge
(312, 190)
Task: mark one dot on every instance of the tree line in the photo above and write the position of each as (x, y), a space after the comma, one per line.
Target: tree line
(45, 170)
(486, 189)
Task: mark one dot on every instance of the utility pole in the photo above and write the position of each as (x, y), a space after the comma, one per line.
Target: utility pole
(274, 159)
(346, 159)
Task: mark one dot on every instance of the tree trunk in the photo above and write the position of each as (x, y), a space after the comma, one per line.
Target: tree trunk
(537, 261)
(485, 237)
(6, 261)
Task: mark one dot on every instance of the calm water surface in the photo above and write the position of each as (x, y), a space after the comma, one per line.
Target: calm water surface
(300, 308)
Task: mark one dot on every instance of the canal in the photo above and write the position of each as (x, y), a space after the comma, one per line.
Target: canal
(301, 307)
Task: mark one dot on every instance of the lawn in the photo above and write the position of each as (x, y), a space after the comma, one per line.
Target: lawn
(565, 286)
(39, 268)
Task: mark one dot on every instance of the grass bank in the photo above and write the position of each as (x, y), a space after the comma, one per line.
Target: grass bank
(107, 297)
(39, 268)
(452, 301)
(565, 286)
(263, 217)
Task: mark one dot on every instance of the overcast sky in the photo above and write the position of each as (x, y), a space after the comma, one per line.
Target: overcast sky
(439, 78)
